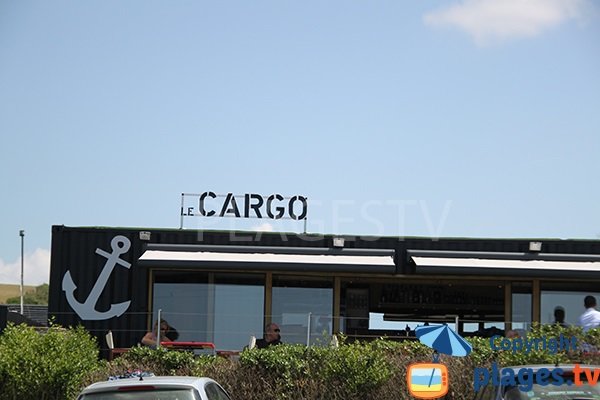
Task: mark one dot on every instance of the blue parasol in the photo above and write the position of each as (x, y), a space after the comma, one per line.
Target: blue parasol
(443, 339)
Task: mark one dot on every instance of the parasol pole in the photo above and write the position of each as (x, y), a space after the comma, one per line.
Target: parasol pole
(436, 357)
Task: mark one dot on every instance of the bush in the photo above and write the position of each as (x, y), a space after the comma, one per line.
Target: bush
(38, 296)
(158, 362)
(161, 361)
(50, 365)
(296, 371)
(57, 364)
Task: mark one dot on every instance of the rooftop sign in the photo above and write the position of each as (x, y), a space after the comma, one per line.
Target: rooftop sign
(248, 205)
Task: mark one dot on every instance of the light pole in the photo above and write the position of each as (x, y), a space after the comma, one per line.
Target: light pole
(22, 234)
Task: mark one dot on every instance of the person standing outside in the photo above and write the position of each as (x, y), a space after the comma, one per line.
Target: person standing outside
(591, 317)
(271, 338)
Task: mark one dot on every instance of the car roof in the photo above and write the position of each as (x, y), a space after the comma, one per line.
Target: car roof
(156, 381)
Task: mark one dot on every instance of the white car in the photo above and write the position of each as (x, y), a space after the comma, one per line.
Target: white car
(156, 388)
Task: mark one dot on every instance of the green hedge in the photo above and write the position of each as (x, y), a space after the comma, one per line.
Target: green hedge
(49, 365)
(57, 364)
(344, 372)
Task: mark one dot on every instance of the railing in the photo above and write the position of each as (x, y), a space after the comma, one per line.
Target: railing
(230, 333)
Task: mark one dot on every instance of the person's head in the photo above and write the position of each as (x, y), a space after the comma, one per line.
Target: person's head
(589, 301)
(164, 327)
(559, 314)
(172, 334)
(511, 333)
(272, 332)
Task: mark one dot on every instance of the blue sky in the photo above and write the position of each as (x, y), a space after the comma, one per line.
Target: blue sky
(476, 118)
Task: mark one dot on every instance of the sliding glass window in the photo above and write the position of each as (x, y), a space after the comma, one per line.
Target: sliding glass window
(303, 308)
(569, 296)
(522, 305)
(224, 309)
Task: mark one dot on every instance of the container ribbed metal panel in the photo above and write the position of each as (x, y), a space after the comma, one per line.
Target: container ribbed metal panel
(74, 250)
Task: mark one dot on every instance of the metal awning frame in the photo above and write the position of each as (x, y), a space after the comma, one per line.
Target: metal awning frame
(498, 263)
(291, 259)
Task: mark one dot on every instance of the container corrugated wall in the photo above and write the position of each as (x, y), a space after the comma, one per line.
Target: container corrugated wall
(74, 250)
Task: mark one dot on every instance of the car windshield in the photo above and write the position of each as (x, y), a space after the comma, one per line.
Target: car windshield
(166, 394)
(565, 392)
(562, 391)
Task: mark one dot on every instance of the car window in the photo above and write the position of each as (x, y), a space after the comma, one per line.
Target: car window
(167, 394)
(214, 392)
(554, 390)
(514, 393)
(486, 393)
(538, 392)
(565, 391)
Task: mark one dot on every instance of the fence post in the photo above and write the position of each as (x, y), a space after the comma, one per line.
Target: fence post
(158, 329)
(308, 330)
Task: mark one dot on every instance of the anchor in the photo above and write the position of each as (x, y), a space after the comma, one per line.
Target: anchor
(87, 309)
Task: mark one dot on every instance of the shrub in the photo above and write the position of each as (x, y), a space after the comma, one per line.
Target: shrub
(57, 364)
(359, 367)
(159, 362)
(295, 371)
(50, 365)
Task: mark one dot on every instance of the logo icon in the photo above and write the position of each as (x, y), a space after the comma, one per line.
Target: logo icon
(427, 380)
(444, 340)
(430, 380)
(87, 310)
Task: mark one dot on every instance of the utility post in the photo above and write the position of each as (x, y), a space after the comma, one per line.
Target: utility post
(22, 234)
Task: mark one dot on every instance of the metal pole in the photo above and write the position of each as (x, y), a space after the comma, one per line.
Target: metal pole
(22, 234)
(181, 213)
(308, 330)
(158, 329)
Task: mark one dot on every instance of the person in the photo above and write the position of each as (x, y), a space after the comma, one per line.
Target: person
(271, 337)
(559, 316)
(172, 334)
(511, 334)
(591, 317)
(151, 338)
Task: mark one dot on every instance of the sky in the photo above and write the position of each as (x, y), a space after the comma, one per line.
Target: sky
(456, 118)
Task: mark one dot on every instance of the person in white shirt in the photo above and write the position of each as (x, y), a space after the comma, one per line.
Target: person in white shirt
(591, 317)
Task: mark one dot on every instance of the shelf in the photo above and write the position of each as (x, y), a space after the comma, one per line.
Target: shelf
(428, 306)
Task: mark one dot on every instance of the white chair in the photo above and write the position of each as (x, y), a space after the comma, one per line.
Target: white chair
(112, 351)
(109, 340)
(334, 341)
(252, 342)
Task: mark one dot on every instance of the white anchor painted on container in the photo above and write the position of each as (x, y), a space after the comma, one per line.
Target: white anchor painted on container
(87, 310)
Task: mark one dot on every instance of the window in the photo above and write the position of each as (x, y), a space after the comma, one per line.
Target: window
(224, 309)
(521, 305)
(567, 295)
(487, 393)
(214, 392)
(296, 300)
(160, 394)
